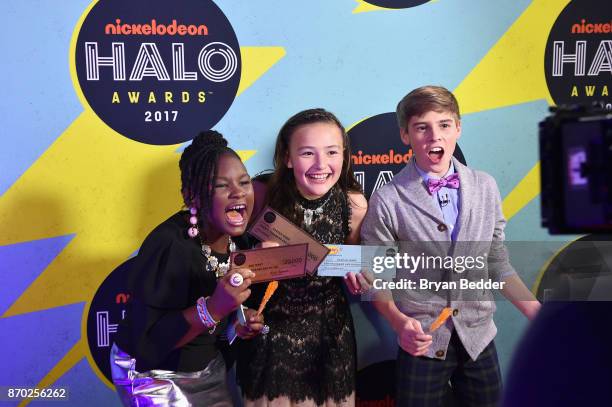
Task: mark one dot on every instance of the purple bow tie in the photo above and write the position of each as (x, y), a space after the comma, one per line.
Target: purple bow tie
(452, 181)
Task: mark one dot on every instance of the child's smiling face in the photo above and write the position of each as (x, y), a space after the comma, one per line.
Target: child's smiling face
(232, 200)
(316, 157)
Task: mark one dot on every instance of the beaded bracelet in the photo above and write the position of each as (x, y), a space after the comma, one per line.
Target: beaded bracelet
(207, 319)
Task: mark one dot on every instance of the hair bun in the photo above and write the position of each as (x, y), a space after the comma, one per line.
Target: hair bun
(208, 139)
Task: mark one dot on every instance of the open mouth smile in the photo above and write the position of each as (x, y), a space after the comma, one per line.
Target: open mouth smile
(436, 154)
(318, 178)
(235, 214)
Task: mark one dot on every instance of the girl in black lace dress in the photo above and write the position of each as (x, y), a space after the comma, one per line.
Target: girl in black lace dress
(308, 357)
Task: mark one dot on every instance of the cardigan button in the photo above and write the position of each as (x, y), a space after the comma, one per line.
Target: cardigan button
(455, 312)
(439, 353)
(442, 227)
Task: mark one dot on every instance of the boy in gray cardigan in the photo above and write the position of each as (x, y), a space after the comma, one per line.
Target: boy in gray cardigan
(437, 199)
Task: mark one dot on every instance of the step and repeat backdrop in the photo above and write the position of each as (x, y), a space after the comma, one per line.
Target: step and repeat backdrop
(99, 99)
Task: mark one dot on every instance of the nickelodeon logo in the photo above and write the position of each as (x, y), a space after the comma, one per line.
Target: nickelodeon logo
(154, 28)
(381, 159)
(592, 28)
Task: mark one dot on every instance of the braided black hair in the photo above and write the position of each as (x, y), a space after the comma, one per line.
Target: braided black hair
(198, 166)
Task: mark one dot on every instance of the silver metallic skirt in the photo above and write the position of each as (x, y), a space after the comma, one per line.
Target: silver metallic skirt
(167, 388)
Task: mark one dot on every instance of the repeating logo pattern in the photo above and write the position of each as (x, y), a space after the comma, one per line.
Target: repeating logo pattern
(108, 308)
(578, 58)
(155, 71)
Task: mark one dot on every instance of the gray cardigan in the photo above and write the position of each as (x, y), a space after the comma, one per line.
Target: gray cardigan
(403, 211)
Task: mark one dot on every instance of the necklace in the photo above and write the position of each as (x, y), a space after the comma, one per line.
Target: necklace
(308, 213)
(212, 262)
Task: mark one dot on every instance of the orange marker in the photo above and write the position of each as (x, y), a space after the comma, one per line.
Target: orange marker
(444, 315)
(272, 286)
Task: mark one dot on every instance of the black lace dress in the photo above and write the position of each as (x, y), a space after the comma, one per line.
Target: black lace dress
(308, 358)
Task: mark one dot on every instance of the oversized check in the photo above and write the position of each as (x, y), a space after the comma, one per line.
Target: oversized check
(272, 226)
(272, 263)
(343, 258)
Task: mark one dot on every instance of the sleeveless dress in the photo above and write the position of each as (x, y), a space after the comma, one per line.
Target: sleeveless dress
(308, 357)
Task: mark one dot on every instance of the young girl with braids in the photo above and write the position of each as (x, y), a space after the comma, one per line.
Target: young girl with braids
(308, 356)
(167, 351)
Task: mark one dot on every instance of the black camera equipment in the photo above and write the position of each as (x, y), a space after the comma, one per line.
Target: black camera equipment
(576, 170)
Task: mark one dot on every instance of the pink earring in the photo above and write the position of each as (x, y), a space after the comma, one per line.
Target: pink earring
(193, 220)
